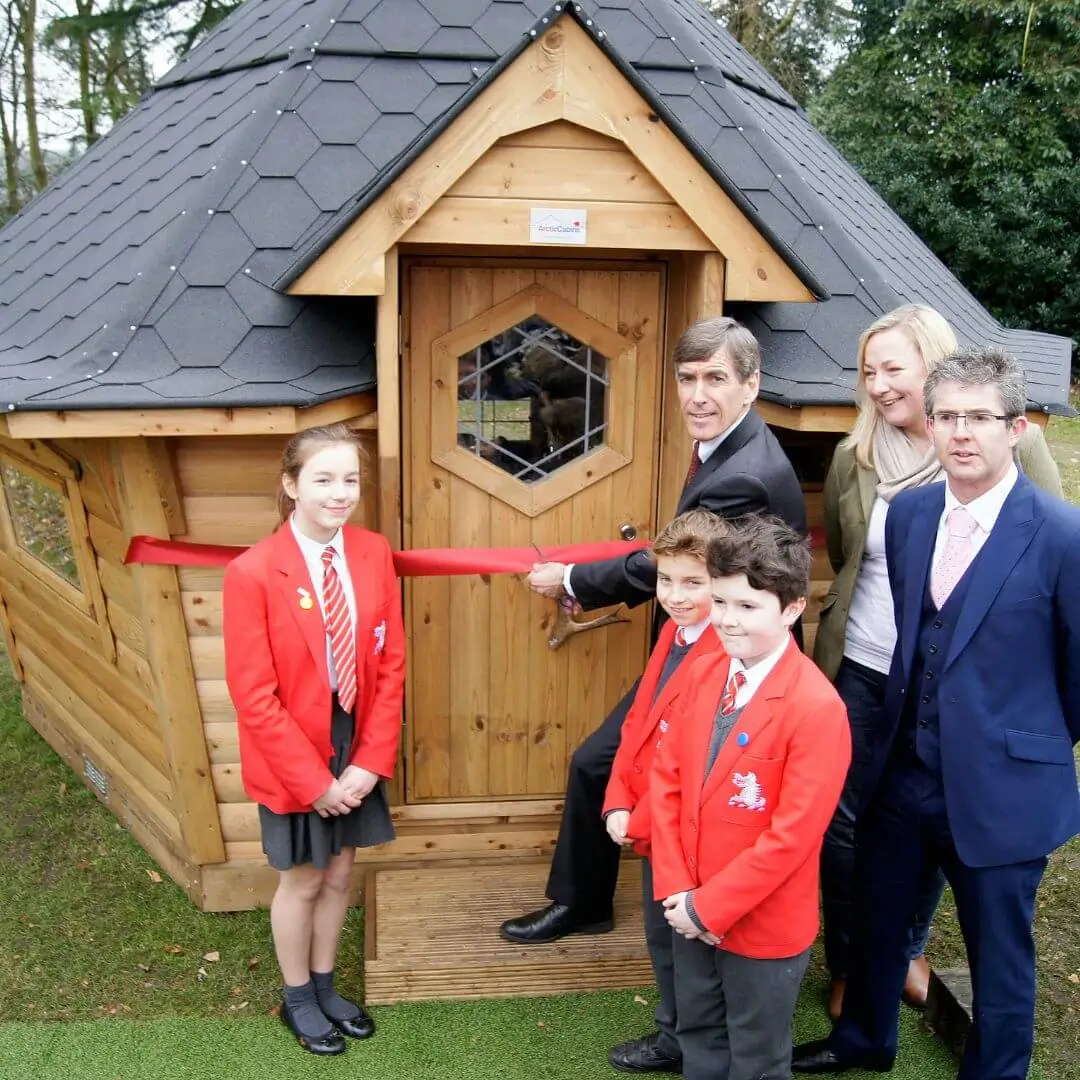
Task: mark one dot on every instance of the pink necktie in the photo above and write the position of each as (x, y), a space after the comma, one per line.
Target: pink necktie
(340, 631)
(957, 556)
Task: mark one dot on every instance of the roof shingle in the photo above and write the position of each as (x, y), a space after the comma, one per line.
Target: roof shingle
(150, 273)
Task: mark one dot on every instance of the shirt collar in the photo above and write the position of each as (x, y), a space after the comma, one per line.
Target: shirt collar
(708, 447)
(313, 549)
(757, 674)
(692, 633)
(986, 508)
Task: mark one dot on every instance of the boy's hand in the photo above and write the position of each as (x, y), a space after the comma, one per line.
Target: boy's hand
(679, 918)
(617, 822)
(546, 578)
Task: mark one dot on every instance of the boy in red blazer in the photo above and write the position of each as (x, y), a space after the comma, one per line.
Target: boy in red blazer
(743, 790)
(683, 590)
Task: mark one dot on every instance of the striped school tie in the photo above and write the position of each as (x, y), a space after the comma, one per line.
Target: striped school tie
(731, 692)
(339, 630)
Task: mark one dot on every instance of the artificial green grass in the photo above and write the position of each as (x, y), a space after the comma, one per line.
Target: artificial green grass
(562, 1038)
(89, 927)
(93, 987)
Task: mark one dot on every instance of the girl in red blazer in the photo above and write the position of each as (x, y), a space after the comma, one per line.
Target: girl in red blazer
(315, 663)
(684, 591)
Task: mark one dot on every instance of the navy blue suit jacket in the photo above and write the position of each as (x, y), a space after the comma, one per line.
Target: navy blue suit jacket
(1009, 690)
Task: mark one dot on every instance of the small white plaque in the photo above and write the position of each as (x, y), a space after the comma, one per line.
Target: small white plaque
(549, 225)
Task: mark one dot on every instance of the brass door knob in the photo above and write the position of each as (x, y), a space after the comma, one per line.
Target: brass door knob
(627, 531)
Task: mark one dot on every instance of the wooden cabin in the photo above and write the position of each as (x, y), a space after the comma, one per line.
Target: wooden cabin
(399, 214)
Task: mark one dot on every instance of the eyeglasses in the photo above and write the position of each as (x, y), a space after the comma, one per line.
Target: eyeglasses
(976, 421)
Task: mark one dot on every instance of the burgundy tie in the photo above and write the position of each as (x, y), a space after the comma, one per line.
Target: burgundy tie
(695, 464)
(339, 630)
(731, 691)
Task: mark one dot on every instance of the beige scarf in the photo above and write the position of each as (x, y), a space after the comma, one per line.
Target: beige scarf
(899, 465)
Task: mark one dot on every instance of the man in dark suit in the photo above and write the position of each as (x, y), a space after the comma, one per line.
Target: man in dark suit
(737, 468)
(977, 773)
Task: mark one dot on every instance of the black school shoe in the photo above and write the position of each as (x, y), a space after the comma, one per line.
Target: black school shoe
(359, 1027)
(325, 1046)
(643, 1055)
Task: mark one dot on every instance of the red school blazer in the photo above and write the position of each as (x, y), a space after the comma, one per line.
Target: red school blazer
(643, 730)
(276, 667)
(747, 838)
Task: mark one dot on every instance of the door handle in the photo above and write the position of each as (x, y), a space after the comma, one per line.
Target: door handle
(627, 531)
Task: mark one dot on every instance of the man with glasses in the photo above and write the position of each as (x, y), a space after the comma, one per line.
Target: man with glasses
(976, 773)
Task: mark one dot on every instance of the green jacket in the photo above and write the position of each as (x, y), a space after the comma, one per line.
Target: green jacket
(849, 497)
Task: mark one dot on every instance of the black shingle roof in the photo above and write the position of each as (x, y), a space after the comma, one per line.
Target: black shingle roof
(151, 273)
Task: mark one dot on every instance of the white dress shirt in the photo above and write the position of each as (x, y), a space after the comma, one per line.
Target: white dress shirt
(755, 675)
(985, 510)
(692, 633)
(312, 551)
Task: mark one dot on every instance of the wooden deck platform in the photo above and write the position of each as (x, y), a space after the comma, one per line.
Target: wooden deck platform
(433, 933)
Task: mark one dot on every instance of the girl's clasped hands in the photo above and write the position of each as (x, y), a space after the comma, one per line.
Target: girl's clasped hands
(346, 793)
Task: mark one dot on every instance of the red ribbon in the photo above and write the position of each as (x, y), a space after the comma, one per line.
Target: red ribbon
(422, 562)
(425, 562)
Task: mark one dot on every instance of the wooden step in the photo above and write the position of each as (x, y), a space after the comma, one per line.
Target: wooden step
(433, 933)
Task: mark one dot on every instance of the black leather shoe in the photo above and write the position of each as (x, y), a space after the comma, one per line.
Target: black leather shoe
(816, 1057)
(359, 1027)
(327, 1046)
(643, 1055)
(550, 924)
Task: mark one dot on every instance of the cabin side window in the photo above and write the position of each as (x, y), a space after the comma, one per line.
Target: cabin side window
(37, 514)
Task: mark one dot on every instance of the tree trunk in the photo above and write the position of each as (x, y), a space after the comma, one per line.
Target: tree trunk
(11, 166)
(86, 98)
(28, 10)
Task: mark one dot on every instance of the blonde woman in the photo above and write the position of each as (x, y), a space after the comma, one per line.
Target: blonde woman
(888, 451)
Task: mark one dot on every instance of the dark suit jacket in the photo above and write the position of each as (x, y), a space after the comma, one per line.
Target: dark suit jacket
(1009, 693)
(747, 473)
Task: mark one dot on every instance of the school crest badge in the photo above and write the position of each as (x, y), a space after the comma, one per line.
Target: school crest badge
(380, 637)
(749, 794)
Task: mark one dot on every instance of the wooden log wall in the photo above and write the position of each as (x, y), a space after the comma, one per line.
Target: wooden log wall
(89, 694)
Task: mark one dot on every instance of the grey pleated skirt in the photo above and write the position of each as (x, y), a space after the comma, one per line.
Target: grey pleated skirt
(295, 839)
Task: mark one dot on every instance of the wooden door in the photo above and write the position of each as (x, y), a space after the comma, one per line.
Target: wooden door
(495, 360)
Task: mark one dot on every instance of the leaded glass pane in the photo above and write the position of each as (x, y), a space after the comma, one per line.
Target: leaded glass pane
(532, 399)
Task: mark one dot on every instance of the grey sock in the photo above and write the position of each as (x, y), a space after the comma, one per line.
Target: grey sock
(306, 1015)
(330, 1001)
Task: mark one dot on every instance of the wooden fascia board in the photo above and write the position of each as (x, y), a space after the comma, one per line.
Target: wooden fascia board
(597, 96)
(838, 418)
(114, 423)
(527, 94)
(564, 75)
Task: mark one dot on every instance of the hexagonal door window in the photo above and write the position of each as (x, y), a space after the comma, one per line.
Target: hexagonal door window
(532, 399)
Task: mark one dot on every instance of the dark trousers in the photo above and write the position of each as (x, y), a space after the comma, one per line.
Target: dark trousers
(903, 833)
(863, 692)
(658, 936)
(734, 1012)
(585, 865)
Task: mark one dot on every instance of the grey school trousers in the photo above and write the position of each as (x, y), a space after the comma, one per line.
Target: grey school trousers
(734, 1012)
